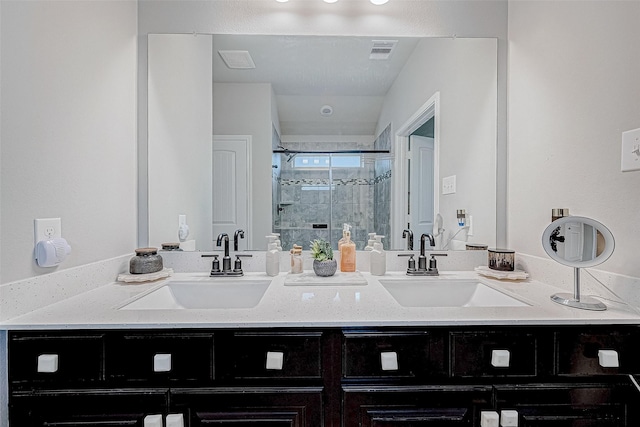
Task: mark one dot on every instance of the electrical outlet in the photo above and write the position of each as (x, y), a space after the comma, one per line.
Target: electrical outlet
(630, 150)
(449, 184)
(47, 228)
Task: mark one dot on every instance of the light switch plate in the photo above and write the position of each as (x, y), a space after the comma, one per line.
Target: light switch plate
(449, 184)
(631, 150)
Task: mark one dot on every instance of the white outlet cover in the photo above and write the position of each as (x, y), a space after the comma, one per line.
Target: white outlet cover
(631, 150)
(46, 229)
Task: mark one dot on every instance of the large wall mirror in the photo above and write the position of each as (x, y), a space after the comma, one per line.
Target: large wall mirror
(298, 134)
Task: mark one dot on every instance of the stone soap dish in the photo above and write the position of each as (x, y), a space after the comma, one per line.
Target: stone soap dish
(147, 277)
(502, 275)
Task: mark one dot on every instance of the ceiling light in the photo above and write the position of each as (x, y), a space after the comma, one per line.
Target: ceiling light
(282, 1)
(378, 2)
(330, 1)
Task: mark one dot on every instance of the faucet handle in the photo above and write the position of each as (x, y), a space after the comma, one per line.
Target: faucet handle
(411, 265)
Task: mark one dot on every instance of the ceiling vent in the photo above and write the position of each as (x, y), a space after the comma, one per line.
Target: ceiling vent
(237, 59)
(381, 49)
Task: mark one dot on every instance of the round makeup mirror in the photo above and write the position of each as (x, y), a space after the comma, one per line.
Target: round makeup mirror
(578, 242)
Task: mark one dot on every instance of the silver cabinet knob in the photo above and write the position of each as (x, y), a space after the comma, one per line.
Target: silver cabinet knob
(162, 362)
(509, 418)
(608, 358)
(48, 363)
(500, 358)
(389, 360)
(489, 419)
(275, 360)
(152, 421)
(174, 420)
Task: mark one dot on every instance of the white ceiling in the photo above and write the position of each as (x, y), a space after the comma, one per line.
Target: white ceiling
(307, 72)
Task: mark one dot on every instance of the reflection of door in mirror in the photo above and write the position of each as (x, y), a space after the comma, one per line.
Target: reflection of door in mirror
(421, 160)
(231, 191)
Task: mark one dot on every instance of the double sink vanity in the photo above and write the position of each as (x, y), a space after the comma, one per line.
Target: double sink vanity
(353, 350)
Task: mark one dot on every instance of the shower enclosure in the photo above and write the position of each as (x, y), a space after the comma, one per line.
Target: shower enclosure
(316, 192)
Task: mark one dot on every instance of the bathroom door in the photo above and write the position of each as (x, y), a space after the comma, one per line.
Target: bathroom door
(420, 209)
(231, 189)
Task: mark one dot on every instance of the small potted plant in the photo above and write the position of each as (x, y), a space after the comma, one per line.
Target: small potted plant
(323, 263)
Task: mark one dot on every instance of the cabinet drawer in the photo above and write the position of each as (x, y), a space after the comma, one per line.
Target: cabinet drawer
(276, 355)
(577, 352)
(161, 357)
(488, 354)
(54, 359)
(391, 354)
(574, 403)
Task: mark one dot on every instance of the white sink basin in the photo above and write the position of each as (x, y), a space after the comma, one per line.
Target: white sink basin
(447, 293)
(202, 295)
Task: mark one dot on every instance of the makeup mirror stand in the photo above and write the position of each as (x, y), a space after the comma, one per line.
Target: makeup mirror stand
(575, 300)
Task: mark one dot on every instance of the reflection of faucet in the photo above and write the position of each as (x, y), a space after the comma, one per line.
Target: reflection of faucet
(235, 239)
(409, 240)
(226, 260)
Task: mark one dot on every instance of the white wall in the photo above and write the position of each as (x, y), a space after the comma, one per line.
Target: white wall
(180, 123)
(68, 129)
(574, 87)
(348, 17)
(464, 72)
(245, 109)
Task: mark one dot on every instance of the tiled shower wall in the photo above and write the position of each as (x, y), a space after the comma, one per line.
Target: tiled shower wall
(308, 198)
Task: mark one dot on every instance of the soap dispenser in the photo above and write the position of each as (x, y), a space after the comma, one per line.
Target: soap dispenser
(370, 242)
(378, 258)
(345, 230)
(348, 254)
(273, 260)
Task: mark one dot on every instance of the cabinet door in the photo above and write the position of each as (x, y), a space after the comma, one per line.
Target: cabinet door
(571, 405)
(161, 358)
(414, 406)
(239, 407)
(274, 355)
(70, 408)
(392, 354)
(55, 359)
(473, 354)
(578, 351)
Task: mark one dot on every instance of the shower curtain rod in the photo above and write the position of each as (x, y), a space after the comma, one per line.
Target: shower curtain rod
(286, 151)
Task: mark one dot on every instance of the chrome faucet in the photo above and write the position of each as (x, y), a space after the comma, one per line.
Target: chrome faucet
(226, 260)
(423, 269)
(422, 259)
(409, 233)
(235, 239)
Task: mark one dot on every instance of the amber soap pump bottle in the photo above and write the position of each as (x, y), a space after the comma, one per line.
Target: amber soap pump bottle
(348, 254)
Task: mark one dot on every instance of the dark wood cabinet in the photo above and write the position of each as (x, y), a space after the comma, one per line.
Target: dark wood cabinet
(452, 405)
(339, 377)
(249, 406)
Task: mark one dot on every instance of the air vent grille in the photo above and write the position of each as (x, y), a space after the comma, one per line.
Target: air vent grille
(237, 59)
(382, 49)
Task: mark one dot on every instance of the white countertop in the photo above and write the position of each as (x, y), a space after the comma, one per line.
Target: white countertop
(330, 305)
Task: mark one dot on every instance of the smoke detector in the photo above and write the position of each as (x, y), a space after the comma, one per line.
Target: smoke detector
(381, 49)
(237, 59)
(326, 110)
